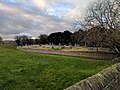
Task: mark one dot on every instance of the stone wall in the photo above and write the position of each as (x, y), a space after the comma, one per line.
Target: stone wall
(108, 79)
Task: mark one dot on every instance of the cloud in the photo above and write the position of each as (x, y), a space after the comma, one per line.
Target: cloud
(34, 17)
(39, 3)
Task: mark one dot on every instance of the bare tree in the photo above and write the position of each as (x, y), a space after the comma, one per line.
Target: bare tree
(95, 37)
(21, 40)
(106, 14)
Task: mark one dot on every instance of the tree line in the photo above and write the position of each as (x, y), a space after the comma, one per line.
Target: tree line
(57, 38)
(94, 37)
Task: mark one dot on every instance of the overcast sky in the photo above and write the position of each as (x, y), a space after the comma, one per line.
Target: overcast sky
(35, 17)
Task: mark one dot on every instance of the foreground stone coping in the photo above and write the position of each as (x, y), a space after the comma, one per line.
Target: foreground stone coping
(108, 79)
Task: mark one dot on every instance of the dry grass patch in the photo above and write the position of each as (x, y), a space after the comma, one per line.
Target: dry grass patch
(66, 48)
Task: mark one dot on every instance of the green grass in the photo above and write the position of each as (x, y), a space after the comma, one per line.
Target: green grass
(21, 70)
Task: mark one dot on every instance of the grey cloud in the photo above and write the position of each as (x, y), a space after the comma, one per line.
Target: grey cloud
(31, 20)
(15, 24)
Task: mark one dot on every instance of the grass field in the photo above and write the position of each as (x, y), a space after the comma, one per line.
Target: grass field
(21, 70)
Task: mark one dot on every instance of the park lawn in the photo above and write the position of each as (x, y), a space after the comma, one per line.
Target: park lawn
(20, 70)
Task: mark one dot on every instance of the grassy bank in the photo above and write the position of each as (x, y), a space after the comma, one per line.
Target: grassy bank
(21, 70)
